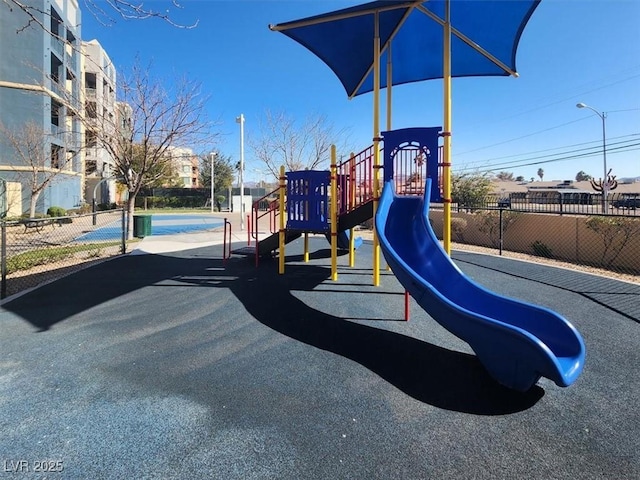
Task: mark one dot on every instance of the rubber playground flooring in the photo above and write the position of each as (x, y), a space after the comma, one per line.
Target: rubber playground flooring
(176, 366)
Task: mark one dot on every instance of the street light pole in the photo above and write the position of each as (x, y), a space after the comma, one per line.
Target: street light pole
(240, 120)
(605, 179)
(213, 156)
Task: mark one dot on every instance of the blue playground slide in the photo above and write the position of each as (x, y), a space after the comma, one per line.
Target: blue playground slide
(517, 342)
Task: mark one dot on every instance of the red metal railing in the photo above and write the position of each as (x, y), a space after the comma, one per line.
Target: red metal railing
(355, 184)
(266, 206)
(355, 181)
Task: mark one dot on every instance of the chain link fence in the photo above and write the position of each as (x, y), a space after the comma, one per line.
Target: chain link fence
(34, 251)
(38, 250)
(608, 241)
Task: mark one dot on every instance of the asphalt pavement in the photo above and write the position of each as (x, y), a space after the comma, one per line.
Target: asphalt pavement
(174, 364)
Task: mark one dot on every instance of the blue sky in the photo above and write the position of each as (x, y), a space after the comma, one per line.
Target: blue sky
(571, 51)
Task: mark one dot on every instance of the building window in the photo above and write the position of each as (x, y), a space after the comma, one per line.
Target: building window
(56, 156)
(56, 23)
(55, 113)
(92, 109)
(91, 139)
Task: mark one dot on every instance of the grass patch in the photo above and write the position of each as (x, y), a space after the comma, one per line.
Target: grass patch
(34, 258)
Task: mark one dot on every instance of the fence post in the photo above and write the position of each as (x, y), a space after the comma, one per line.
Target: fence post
(501, 231)
(3, 261)
(124, 232)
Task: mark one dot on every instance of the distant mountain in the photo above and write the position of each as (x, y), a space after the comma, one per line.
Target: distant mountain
(629, 180)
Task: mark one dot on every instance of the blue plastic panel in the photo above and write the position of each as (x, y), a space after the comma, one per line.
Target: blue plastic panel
(308, 200)
(427, 139)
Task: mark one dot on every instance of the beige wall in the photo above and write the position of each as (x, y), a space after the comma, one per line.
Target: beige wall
(14, 199)
(567, 237)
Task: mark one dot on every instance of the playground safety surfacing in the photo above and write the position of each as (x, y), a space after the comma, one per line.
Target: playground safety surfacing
(177, 366)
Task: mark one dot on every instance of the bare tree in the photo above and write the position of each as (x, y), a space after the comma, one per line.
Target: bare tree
(150, 121)
(105, 12)
(282, 141)
(33, 164)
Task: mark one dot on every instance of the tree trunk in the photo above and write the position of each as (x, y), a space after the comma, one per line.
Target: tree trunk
(32, 204)
(130, 210)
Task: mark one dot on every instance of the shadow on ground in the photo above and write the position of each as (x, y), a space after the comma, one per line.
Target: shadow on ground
(429, 373)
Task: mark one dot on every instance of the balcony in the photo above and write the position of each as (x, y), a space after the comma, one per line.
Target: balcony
(56, 88)
(57, 45)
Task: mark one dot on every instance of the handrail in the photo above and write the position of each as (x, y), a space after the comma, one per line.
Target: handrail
(355, 181)
(271, 210)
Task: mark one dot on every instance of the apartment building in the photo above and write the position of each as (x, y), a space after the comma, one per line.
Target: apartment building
(185, 166)
(40, 91)
(99, 102)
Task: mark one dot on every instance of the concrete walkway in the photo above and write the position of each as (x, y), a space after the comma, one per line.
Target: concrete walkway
(157, 244)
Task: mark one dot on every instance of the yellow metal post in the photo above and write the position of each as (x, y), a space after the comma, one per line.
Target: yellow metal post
(446, 149)
(334, 215)
(376, 150)
(306, 247)
(389, 98)
(282, 232)
(352, 202)
(389, 86)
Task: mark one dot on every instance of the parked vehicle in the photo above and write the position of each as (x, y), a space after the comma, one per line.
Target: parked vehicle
(504, 203)
(626, 202)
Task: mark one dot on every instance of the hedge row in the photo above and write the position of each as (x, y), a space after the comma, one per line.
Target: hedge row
(171, 202)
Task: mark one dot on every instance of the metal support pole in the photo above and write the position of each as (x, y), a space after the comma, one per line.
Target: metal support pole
(376, 147)
(605, 178)
(334, 215)
(124, 231)
(240, 120)
(213, 155)
(281, 232)
(3, 261)
(501, 233)
(352, 203)
(446, 147)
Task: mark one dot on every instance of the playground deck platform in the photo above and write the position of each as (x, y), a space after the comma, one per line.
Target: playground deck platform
(173, 365)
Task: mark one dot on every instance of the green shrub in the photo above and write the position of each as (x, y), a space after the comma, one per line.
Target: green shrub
(35, 258)
(541, 250)
(615, 232)
(170, 202)
(26, 215)
(458, 226)
(56, 212)
(106, 206)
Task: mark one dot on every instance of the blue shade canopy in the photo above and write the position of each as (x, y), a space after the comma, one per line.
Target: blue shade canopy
(485, 36)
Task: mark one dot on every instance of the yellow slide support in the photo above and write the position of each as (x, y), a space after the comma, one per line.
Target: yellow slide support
(281, 231)
(334, 215)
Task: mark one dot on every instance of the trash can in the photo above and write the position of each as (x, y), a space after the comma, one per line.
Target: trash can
(141, 226)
